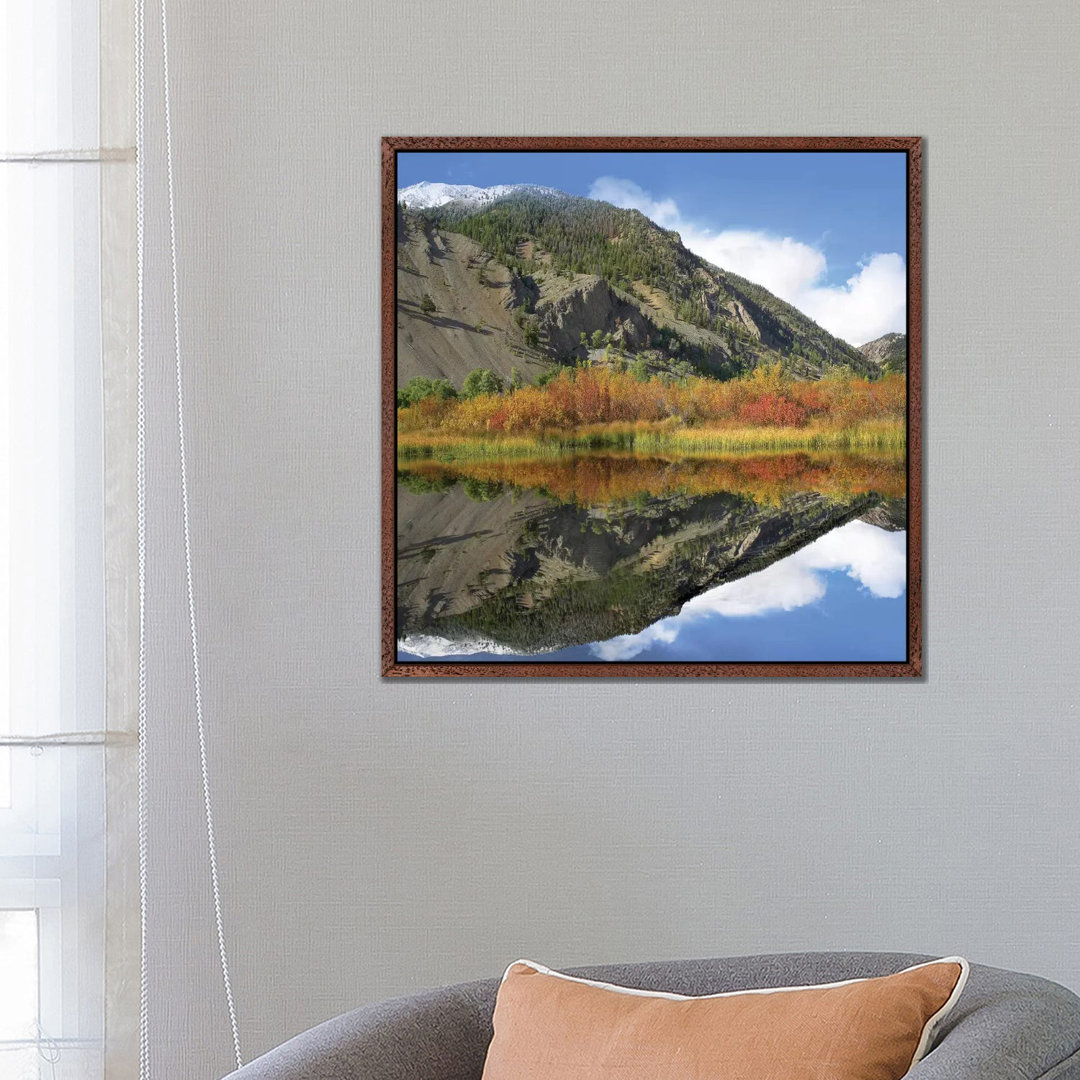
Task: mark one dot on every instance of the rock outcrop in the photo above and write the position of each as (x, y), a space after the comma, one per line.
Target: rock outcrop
(889, 349)
(588, 305)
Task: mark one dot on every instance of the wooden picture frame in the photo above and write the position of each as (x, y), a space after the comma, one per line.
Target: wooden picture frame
(393, 665)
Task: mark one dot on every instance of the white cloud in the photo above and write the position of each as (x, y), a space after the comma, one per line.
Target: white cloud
(870, 303)
(627, 646)
(784, 586)
(782, 265)
(631, 196)
(876, 559)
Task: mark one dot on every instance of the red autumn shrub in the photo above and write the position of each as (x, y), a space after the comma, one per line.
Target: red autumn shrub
(772, 410)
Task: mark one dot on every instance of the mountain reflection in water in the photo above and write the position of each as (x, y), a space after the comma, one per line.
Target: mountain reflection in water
(615, 557)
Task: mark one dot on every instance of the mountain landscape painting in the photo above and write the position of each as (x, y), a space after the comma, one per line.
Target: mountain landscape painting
(651, 407)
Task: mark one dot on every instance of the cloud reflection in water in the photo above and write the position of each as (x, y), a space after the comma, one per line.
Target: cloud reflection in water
(873, 557)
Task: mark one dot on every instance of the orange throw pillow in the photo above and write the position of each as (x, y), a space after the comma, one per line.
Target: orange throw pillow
(550, 1026)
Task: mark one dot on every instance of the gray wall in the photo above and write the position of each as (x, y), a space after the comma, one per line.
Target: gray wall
(379, 837)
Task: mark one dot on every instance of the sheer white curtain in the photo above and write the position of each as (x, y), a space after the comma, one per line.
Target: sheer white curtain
(52, 546)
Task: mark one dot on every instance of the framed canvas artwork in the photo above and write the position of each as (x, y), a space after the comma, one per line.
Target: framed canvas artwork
(651, 406)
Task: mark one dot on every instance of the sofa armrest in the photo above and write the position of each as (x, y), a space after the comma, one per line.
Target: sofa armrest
(1007, 1026)
(441, 1034)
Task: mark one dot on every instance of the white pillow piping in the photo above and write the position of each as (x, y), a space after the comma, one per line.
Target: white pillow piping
(928, 1030)
(932, 1024)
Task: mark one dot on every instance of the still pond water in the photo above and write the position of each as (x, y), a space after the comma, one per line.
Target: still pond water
(613, 557)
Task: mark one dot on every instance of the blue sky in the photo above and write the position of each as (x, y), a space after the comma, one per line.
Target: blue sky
(826, 231)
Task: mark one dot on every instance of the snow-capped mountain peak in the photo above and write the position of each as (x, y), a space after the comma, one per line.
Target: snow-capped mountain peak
(427, 193)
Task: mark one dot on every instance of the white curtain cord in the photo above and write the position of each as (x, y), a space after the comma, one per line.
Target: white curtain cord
(140, 214)
(197, 679)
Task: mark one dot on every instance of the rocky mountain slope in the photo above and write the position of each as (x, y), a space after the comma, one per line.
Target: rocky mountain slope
(514, 277)
(889, 351)
(471, 300)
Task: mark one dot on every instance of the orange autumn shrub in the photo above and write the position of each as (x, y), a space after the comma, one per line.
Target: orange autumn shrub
(592, 396)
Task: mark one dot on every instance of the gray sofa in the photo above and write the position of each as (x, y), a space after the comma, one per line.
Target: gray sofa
(1005, 1026)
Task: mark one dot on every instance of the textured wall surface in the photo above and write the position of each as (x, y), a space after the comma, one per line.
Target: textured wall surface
(375, 838)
